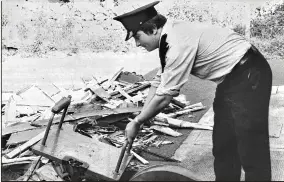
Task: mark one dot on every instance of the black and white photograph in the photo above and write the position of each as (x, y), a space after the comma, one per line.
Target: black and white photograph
(152, 90)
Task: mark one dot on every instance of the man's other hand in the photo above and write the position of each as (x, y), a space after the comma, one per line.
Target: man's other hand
(131, 130)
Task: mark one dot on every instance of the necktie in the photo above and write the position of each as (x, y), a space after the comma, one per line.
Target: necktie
(163, 49)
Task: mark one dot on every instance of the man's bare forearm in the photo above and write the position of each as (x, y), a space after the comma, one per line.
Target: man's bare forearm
(150, 96)
(155, 106)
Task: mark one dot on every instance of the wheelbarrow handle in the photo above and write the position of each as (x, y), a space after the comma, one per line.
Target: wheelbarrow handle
(129, 146)
(121, 156)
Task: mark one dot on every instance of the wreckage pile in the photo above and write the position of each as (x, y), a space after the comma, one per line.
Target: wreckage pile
(101, 111)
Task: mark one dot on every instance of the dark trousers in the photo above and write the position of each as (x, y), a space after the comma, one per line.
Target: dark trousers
(240, 134)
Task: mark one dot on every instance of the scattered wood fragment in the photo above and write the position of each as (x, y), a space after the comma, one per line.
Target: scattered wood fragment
(122, 92)
(166, 130)
(31, 118)
(91, 113)
(35, 96)
(182, 98)
(17, 128)
(114, 77)
(178, 103)
(187, 110)
(34, 166)
(18, 164)
(5, 97)
(21, 137)
(167, 142)
(199, 104)
(10, 111)
(141, 159)
(5, 160)
(25, 146)
(208, 118)
(183, 124)
(82, 107)
(27, 153)
(49, 88)
(113, 118)
(99, 91)
(47, 173)
(160, 123)
(150, 140)
(140, 87)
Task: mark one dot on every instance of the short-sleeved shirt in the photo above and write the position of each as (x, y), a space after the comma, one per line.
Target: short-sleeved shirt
(206, 51)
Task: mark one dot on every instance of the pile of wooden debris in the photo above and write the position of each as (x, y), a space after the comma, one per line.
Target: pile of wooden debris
(101, 110)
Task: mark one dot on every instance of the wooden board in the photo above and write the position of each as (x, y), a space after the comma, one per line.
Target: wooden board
(49, 89)
(48, 173)
(25, 146)
(113, 118)
(17, 128)
(102, 158)
(35, 97)
(10, 111)
(208, 118)
(21, 137)
(90, 113)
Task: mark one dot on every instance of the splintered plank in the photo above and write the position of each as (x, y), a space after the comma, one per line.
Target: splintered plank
(10, 111)
(113, 118)
(49, 88)
(21, 137)
(166, 130)
(208, 118)
(22, 159)
(25, 146)
(17, 128)
(47, 173)
(90, 113)
(129, 91)
(35, 97)
(102, 158)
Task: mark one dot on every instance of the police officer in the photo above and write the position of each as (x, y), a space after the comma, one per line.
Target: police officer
(243, 77)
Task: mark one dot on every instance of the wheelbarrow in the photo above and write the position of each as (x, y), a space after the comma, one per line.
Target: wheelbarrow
(76, 157)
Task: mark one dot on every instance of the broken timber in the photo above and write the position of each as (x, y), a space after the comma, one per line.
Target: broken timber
(141, 159)
(6, 161)
(47, 173)
(122, 92)
(166, 130)
(21, 137)
(34, 165)
(100, 92)
(180, 123)
(113, 118)
(129, 91)
(89, 113)
(17, 128)
(116, 75)
(25, 146)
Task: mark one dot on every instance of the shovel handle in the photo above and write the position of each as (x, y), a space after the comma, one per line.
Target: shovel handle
(121, 156)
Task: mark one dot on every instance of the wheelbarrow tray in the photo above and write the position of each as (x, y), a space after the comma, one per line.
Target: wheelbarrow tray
(101, 158)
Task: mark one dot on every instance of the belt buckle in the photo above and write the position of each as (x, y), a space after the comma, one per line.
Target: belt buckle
(242, 61)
